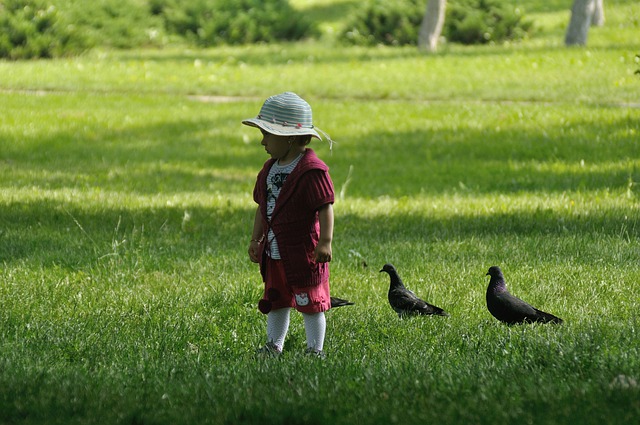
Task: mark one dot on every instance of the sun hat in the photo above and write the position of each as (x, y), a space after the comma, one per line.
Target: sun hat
(285, 114)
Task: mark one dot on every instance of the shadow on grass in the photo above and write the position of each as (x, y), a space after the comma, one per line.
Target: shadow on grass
(181, 156)
(162, 158)
(309, 53)
(51, 233)
(150, 239)
(582, 156)
(285, 54)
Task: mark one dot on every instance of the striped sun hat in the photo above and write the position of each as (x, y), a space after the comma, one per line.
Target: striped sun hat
(285, 114)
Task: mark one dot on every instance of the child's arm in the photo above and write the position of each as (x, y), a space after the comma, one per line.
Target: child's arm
(323, 250)
(257, 237)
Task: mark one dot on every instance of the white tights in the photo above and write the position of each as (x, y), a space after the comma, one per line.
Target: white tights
(315, 326)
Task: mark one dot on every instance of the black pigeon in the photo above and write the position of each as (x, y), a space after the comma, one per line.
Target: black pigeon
(405, 302)
(339, 302)
(509, 309)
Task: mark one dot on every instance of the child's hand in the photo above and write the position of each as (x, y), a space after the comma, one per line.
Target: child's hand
(323, 252)
(254, 250)
(323, 249)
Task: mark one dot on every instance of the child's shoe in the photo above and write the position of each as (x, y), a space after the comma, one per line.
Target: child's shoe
(269, 350)
(312, 352)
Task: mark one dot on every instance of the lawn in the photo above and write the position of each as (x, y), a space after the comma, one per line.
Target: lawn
(127, 296)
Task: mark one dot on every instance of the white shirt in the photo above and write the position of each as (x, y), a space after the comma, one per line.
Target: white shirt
(275, 180)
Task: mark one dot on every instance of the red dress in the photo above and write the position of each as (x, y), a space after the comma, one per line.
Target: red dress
(294, 220)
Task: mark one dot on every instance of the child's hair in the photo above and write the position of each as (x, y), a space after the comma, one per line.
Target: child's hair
(303, 139)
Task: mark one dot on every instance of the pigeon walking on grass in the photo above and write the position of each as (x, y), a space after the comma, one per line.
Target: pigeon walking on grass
(509, 309)
(405, 302)
(339, 302)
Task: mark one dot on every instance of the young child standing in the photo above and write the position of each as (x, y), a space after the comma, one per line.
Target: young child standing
(293, 227)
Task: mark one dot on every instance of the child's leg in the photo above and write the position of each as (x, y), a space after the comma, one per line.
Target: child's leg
(278, 326)
(315, 326)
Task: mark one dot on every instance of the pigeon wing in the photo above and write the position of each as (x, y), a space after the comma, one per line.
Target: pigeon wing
(510, 309)
(405, 302)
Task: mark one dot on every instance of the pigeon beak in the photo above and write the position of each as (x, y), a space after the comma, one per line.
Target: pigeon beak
(487, 274)
(381, 271)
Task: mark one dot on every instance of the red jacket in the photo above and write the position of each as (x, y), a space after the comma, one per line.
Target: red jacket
(295, 218)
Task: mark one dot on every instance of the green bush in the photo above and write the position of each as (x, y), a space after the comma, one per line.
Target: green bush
(45, 29)
(51, 28)
(37, 29)
(390, 22)
(115, 23)
(397, 22)
(214, 22)
(484, 21)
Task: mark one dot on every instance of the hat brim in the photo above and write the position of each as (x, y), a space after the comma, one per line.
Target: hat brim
(281, 130)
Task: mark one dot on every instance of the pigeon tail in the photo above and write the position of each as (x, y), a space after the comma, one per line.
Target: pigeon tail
(544, 317)
(339, 302)
(437, 311)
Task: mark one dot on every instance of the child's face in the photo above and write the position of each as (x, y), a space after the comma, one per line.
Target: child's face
(276, 146)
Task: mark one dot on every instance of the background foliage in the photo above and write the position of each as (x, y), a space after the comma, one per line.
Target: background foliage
(54, 28)
(212, 22)
(485, 21)
(396, 22)
(37, 29)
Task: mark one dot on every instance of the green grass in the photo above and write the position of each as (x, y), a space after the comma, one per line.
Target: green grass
(126, 294)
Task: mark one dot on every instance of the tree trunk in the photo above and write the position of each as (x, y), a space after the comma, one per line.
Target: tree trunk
(598, 14)
(581, 15)
(432, 24)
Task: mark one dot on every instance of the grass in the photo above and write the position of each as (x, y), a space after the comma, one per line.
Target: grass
(126, 295)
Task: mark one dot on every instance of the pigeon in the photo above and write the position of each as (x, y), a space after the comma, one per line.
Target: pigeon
(339, 302)
(405, 302)
(509, 309)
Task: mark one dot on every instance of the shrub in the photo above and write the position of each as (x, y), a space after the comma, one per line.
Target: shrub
(390, 22)
(397, 22)
(115, 23)
(45, 29)
(213, 22)
(484, 21)
(50, 28)
(36, 29)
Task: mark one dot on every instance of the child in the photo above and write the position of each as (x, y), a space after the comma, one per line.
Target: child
(293, 226)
